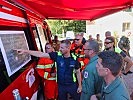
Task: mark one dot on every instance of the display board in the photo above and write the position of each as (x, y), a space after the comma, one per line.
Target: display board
(10, 40)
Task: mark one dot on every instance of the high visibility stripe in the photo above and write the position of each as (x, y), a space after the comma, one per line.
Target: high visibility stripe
(80, 55)
(74, 57)
(44, 66)
(46, 75)
(48, 66)
(59, 54)
(52, 78)
(74, 77)
(82, 63)
(40, 66)
(118, 50)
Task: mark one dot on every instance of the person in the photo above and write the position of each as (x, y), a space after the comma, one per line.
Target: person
(109, 66)
(83, 39)
(91, 83)
(99, 42)
(107, 34)
(77, 50)
(46, 70)
(110, 45)
(67, 67)
(90, 37)
(124, 44)
(56, 43)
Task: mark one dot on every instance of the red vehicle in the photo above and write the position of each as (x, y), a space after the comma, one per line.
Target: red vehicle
(20, 28)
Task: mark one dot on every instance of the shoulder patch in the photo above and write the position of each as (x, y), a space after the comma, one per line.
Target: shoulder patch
(85, 74)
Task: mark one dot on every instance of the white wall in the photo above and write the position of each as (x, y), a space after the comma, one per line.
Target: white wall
(111, 23)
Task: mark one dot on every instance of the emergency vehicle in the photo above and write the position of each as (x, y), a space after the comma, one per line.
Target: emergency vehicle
(22, 26)
(16, 26)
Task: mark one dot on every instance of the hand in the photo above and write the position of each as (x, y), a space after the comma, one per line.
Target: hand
(93, 97)
(79, 89)
(19, 51)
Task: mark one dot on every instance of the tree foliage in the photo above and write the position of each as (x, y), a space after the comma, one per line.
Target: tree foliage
(62, 26)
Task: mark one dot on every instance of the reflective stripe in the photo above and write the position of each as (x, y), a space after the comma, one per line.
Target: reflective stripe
(44, 66)
(82, 63)
(40, 66)
(78, 55)
(48, 66)
(59, 54)
(74, 77)
(81, 55)
(74, 57)
(52, 78)
(45, 75)
(118, 50)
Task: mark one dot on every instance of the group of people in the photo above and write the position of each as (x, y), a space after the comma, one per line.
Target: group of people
(82, 71)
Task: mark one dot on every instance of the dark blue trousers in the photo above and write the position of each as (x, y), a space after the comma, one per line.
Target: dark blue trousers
(71, 89)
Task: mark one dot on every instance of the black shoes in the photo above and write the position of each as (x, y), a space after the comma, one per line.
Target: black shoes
(129, 72)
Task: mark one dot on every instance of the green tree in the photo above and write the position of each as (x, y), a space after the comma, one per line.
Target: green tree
(62, 26)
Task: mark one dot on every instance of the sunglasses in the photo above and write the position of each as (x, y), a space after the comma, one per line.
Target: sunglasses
(77, 39)
(107, 42)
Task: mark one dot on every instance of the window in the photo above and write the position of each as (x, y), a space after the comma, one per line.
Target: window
(125, 26)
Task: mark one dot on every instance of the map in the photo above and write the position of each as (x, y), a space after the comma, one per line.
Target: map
(10, 40)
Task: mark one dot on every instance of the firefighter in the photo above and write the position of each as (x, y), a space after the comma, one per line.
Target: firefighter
(77, 50)
(46, 69)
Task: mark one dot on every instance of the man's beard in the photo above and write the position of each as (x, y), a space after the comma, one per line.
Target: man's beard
(107, 48)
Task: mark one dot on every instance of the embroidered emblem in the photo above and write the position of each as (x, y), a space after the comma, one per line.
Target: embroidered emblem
(86, 74)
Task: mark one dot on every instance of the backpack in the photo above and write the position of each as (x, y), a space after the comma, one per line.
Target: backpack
(124, 43)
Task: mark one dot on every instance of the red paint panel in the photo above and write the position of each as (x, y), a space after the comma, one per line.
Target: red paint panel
(21, 84)
(4, 22)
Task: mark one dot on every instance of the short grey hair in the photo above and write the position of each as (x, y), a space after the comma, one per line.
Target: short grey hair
(93, 44)
(66, 42)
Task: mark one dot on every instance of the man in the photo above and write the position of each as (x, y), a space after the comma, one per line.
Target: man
(110, 45)
(77, 50)
(124, 44)
(91, 83)
(109, 66)
(90, 38)
(56, 43)
(107, 34)
(46, 69)
(67, 66)
(83, 40)
(99, 42)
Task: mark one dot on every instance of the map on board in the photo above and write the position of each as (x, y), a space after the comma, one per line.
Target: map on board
(10, 40)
